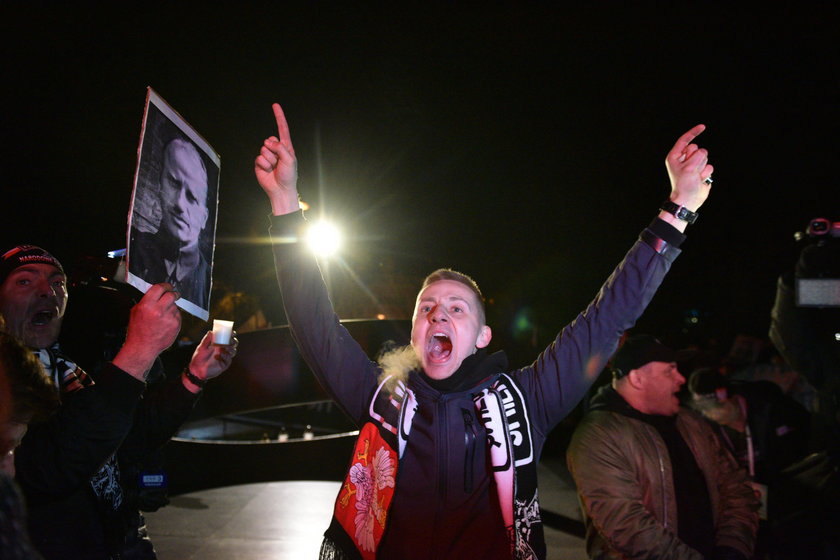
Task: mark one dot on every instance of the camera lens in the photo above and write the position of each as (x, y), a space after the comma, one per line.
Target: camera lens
(818, 226)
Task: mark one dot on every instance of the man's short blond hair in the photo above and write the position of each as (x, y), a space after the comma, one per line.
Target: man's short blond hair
(449, 274)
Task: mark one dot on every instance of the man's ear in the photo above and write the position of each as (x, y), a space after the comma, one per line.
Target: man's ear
(484, 336)
(635, 378)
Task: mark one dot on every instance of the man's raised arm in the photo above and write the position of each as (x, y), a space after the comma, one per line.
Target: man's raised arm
(569, 366)
(337, 361)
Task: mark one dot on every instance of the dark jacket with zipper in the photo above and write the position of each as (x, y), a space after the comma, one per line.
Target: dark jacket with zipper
(445, 501)
(57, 459)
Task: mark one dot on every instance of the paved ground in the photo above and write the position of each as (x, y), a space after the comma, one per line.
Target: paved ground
(279, 520)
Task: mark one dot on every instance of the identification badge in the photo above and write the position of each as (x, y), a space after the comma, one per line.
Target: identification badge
(153, 479)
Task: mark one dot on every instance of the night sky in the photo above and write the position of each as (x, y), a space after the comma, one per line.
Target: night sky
(522, 145)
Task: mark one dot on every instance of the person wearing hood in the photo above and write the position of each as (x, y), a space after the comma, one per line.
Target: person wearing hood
(450, 436)
(652, 477)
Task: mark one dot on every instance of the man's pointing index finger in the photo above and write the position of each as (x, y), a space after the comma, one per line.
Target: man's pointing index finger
(282, 127)
(686, 139)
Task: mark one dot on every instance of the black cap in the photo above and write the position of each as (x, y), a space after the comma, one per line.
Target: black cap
(642, 349)
(25, 254)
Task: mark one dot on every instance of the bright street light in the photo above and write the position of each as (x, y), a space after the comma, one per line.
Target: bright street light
(323, 239)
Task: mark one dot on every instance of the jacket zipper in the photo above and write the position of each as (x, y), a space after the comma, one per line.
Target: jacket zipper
(661, 476)
(469, 449)
(443, 461)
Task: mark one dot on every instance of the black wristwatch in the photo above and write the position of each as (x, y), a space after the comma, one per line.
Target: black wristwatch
(679, 212)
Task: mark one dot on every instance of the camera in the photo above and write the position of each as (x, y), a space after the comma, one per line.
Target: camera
(818, 292)
(818, 276)
(822, 227)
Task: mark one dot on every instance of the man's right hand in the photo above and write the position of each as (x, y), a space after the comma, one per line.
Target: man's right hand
(276, 168)
(154, 323)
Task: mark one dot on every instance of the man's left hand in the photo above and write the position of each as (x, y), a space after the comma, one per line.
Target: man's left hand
(210, 360)
(689, 168)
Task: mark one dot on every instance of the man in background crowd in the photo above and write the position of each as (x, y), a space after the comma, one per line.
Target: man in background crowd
(652, 477)
(26, 396)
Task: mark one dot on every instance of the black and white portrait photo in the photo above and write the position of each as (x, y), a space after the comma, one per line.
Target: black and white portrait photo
(172, 222)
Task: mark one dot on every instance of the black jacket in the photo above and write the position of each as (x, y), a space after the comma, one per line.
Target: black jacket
(57, 459)
(446, 502)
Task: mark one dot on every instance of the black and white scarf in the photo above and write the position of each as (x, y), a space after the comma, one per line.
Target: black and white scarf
(367, 492)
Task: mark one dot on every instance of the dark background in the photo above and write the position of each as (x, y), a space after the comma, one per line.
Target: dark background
(523, 145)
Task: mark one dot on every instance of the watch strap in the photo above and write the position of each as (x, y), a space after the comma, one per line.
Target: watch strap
(679, 212)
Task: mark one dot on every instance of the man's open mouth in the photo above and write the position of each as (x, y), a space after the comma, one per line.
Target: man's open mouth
(440, 347)
(41, 318)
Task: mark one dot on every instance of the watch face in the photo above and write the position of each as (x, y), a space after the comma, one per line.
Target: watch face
(679, 212)
(685, 214)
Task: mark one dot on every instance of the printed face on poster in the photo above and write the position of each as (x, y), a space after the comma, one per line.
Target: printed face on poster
(172, 219)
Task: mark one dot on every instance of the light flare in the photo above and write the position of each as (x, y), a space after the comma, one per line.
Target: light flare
(323, 239)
